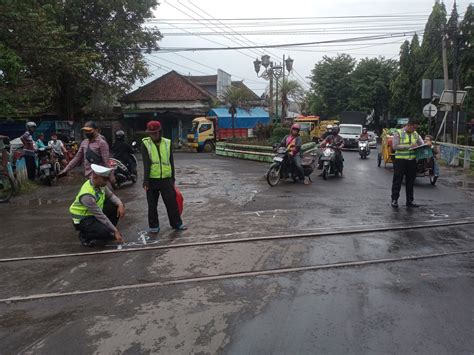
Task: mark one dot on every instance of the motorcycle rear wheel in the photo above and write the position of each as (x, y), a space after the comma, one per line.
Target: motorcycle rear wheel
(273, 176)
(433, 180)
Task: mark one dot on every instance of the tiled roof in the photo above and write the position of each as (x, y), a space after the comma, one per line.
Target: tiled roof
(169, 87)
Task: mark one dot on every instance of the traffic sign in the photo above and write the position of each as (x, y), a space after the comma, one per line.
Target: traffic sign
(430, 110)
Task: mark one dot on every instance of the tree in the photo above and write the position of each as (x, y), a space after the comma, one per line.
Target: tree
(431, 48)
(72, 46)
(466, 67)
(370, 83)
(330, 85)
(236, 97)
(289, 89)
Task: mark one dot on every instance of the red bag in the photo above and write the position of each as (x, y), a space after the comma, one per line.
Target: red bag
(179, 200)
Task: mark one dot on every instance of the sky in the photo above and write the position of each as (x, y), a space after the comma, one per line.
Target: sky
(200, 23)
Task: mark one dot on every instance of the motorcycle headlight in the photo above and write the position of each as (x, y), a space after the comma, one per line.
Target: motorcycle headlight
(327, 152)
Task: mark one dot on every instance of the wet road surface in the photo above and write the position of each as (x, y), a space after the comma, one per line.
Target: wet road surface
(422, 306)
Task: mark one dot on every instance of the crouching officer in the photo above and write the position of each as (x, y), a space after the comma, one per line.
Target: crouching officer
(96, 226)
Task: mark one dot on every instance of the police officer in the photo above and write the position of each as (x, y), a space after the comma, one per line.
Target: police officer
(404, 140)
(159, 177)
(96, 225)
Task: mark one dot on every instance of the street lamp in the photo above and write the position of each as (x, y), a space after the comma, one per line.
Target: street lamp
(272, 71)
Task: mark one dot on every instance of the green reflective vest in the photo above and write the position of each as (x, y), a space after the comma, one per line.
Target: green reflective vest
(77, 210)
(406, 140)
(160, 159)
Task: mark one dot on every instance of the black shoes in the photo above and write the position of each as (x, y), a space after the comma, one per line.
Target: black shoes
(412, 205)
(394, 203)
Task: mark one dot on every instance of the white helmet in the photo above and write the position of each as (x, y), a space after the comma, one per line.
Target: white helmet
(30, 124)
(329, 126)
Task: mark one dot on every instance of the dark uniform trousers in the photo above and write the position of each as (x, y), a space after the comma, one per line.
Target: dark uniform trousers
(94, 232)
(166, 188)
(401, 168)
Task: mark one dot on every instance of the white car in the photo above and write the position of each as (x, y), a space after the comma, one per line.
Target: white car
(372, 139)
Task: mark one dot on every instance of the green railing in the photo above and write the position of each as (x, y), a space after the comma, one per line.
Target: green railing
(253, 152)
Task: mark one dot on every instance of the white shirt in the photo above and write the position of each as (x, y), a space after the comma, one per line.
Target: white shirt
(57, 147)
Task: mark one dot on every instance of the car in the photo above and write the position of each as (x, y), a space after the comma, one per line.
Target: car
(372, 139)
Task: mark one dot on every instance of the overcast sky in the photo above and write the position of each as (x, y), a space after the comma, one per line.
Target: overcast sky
(413, 15)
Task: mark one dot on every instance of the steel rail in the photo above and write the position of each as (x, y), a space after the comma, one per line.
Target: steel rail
(235, 275)
(380, 228)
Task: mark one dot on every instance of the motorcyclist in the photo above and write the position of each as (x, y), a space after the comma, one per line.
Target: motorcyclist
(328, 132)
(365, 135)
(293, 143)
(338, 143)
(123, 151)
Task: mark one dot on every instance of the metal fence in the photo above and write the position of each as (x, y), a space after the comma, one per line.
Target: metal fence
(457, 155)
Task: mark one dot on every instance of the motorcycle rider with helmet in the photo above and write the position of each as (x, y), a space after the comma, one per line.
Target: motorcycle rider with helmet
(327, 133)
(338, 142)
(123, 151)
(293, 143)
(364, 135)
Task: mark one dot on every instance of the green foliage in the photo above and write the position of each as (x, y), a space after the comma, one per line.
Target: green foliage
(70, 47)
(370, 83)
(431, 48)
(289, 89)
(466, 66)
(278, 133)
(263, 132)
(330, 85)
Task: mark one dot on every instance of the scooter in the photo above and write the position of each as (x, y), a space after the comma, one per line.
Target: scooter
(364, 149)
(122, 173)
(283, 168)
(47, 170)
(328, 158)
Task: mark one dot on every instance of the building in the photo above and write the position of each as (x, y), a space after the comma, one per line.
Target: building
(175, 100)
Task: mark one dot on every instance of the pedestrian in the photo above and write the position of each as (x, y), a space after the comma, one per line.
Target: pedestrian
(404, 140)
(29, 150)
(159, 177)
(40, 141)
(93, 150)
(96, 226)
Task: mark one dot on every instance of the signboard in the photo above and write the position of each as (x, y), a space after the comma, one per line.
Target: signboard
(433, 88)
(447, 97)
(430, 111)
(402, 121)
(224, 81)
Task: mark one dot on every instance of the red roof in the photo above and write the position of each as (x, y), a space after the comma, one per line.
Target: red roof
(169, 87)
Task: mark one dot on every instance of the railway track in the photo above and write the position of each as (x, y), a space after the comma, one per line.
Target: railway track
(317, 234)
(250, 273)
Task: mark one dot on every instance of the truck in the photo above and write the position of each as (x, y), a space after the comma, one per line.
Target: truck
(313, 126)
(217, 126)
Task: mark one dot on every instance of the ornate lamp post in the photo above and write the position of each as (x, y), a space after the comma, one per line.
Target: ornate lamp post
(272, 71)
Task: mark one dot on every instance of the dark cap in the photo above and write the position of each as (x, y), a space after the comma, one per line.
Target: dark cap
(89, 126)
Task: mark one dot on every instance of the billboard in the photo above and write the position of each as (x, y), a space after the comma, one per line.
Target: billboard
(224, 81)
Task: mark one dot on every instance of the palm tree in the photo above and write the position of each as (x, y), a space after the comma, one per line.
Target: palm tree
(289, 89)
(236, 97)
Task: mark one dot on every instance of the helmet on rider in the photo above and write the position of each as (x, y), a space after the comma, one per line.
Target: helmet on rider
(296, 126)
(120, 134)
(335, 130)
(30, 125)
(364, 130)
(329, 127)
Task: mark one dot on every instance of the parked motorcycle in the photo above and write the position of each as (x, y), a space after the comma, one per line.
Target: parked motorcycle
(124, 174)
(283, 168)
(364, 149)
(48, 169)
(328, 158)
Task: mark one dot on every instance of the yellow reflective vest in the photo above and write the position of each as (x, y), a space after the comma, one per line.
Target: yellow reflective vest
(406, 140)
(77, 210)
(159, 157)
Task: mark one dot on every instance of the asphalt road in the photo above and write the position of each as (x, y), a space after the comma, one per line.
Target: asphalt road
(408, 306)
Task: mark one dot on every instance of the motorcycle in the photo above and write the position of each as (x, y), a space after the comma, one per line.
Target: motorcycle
(283, 168)
(122, 173)
(47, 170)
(328, 158)
(364, 149)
